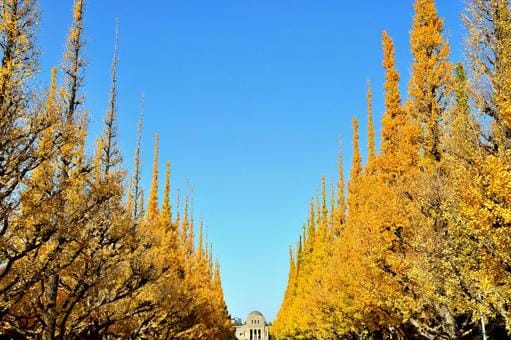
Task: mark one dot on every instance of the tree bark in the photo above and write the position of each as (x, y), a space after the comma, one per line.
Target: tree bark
(50, 308)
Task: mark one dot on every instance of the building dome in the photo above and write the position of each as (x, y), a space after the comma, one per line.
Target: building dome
(255, 313)
(256, 318)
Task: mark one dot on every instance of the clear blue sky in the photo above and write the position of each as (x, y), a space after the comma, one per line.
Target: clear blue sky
(249, 98)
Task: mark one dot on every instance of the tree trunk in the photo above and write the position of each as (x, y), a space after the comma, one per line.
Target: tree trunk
(50, 311)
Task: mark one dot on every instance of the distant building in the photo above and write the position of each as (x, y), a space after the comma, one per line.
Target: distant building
(255, 328)
(236, 321)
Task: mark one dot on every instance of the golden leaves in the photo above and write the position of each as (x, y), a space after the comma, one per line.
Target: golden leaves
(76, 260)
(425, 247)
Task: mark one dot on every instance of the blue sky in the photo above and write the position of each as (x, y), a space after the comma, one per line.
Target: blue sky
(249, 98)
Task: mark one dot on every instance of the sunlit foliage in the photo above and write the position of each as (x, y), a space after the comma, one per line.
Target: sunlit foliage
(79, 257)
(423, 251)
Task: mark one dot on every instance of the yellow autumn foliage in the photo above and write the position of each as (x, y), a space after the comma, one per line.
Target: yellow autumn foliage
(424, 250)
(79, 257)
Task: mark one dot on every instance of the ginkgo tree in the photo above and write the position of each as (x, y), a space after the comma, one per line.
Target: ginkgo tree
(80, 256)
(424, 248)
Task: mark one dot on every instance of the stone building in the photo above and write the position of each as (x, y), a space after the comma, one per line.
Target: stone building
(255, 328)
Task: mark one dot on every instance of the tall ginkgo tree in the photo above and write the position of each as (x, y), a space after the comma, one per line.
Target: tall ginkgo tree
(79, 255)
(422, 250)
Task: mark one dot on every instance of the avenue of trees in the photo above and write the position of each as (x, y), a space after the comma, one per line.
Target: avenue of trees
(419, 246)
(82, 255)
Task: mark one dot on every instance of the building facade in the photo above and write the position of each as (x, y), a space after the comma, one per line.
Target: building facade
(255, 328)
